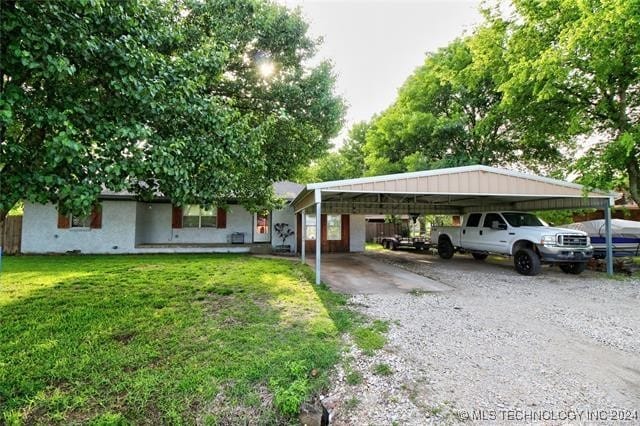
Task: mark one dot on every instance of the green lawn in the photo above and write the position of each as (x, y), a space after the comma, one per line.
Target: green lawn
(162, 339)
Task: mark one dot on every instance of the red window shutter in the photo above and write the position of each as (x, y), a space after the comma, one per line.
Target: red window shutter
(96, 217)
(63, 221)
(222, 218)
(176, 217)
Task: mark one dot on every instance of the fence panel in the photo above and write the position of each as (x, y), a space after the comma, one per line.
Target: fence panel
(12, 235)
(375, 230)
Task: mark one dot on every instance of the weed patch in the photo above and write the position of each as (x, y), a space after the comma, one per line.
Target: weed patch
(382, 370)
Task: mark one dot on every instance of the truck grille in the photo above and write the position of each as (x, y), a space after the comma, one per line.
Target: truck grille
(572, 240)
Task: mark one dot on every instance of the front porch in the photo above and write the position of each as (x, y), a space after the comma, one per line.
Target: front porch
(255, 248)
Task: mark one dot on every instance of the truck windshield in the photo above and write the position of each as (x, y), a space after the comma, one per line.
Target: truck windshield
(522, 219)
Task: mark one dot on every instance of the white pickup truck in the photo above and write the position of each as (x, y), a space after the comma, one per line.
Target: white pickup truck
(529, 240)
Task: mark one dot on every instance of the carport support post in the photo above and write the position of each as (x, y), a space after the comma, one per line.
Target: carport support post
(302, 235)
(608, 239)
(318, 200)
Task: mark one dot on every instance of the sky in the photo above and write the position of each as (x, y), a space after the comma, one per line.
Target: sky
(376, 45)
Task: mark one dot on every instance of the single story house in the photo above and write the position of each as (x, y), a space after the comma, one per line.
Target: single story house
(328, 216)
(121, 224)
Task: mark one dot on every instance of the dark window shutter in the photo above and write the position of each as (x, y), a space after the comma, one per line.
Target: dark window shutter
(63, 221)
(96, 217)
(221, 218)
(176, 217)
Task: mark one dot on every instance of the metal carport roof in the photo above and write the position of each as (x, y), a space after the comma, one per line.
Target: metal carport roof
(455, 190)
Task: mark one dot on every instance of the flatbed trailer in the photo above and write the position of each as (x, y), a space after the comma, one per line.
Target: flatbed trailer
(397, 241)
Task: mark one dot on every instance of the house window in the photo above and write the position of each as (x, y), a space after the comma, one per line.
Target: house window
(80, 221)
(334, 227)
(194, 216)
(310, 227)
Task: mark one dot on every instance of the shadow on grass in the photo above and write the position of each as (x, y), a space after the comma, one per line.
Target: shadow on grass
(162, 339)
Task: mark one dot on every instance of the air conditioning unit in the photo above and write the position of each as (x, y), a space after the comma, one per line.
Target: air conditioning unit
(237, 238)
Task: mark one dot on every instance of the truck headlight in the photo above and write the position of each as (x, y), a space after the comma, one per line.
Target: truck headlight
(588, 240)
(548, 240)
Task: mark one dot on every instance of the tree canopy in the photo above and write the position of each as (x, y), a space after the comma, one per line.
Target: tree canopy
(202, 101)
(552, 87)
(345, 163)
(575, 75)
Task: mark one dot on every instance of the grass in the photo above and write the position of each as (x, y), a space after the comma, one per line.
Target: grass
(178, 339)
(382, 370)
(372, 337)
(373, 247)
(354, 378)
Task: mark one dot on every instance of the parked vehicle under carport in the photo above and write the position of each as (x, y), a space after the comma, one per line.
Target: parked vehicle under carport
(522, 235)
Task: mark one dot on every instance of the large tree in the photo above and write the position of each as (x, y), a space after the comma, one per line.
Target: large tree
(202, 101)
(450, 113)
(345, 163)
(575, 75)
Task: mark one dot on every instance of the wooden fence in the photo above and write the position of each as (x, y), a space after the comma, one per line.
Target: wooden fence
(12, 235)
(375, 230)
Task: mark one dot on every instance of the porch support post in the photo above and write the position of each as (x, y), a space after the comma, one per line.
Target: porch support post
(318, 199)
(608, 239)
(302, 235)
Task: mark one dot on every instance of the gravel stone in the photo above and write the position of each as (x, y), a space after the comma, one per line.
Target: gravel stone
(498, 342)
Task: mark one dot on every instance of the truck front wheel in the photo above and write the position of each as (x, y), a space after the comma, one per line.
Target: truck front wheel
(445, 248)
(527, 262)
(575, 268)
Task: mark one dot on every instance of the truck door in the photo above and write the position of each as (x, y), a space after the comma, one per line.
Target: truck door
(494, 233)
(470, 233)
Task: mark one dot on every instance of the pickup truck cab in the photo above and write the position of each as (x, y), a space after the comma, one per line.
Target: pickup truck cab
(522, 235)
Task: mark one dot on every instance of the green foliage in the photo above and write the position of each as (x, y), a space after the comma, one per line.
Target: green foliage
(17, 210)
(382, 370)
(438, 220)
(575, 77)
(372, 337)
(290, 391)
(449, 113)
(157, 97)
(354, 378)
(162, 339)
(554, 87)
(346, 163)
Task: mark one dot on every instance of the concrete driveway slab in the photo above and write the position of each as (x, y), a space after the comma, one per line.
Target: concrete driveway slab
(359, 274)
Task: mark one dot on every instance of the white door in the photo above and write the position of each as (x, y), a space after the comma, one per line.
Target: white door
(262, 228)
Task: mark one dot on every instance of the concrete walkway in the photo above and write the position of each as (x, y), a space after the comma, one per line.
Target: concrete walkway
(359, 274)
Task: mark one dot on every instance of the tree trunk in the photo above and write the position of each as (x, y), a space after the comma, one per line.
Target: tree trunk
(633, 169)
(3, 217)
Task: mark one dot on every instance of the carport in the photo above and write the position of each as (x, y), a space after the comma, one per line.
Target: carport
(453, 191)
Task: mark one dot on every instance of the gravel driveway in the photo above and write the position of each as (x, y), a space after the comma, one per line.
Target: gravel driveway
(553, 349)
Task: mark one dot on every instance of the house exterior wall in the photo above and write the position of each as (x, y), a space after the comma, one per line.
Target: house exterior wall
(358, 230)
(127, 224)
(287, 216)
(238, 220)
(40, 233)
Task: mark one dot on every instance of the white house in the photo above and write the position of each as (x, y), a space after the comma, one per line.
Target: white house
(121, 224)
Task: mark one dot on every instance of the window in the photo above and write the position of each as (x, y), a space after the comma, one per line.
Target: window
(80, 221)
(194, 216)
(473, 220)
(310, 227)
(522, 219)
(262, 223)
(90, 221)
(491, 217)
(334, 227)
